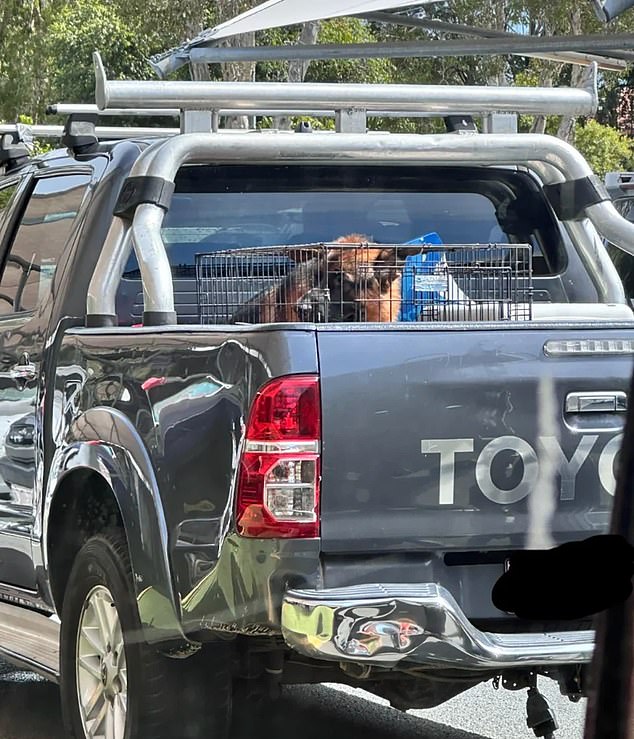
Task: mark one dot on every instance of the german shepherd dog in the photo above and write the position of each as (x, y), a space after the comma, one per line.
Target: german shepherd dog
(360, 282)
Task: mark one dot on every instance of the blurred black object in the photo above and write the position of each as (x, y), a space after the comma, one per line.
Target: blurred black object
(572, 581)
(607, 10)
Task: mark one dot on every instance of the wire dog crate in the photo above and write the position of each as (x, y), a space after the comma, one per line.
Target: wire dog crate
(365, 282)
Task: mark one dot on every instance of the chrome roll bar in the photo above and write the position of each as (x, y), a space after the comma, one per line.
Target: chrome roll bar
(550, 158)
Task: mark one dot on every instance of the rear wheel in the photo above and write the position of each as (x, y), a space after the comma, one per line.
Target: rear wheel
(116, 686)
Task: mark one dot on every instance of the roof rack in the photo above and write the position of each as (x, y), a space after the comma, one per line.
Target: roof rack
(80, 134)
(104, 133)
(15, 147)
(73, 108)
(88, 109)
(200, 101)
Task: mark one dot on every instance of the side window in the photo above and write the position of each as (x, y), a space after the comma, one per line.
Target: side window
(39, 241)
(6, 195)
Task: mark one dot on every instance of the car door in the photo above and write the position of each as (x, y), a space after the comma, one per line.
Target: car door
(32, 249)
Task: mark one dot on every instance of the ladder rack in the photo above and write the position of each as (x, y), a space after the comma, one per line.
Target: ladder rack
(87, 109)
(200, 102)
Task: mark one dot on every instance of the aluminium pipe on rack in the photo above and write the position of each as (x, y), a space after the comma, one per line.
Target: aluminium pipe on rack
(247, 96)
(72, 108)
(541, 153)
(442, 99)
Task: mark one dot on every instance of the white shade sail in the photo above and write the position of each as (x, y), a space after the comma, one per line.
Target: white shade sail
(276, 13)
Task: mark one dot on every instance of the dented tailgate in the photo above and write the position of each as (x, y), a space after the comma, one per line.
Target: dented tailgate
(432, 437)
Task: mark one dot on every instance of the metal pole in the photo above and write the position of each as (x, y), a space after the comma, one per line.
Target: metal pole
(73, 108)
(579, 57)
(70, 108)
(405, 49)
(250, 96)
(103, 132)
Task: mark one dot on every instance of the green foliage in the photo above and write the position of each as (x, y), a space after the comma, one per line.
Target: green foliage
(46, 48)
(605, 149)
(74, 33)
(21, 32)
(349, 31)
(5, 195)
(275, 71)
(336, 31)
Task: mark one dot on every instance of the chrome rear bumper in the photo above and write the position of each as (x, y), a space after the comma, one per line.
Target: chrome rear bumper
(422, 624)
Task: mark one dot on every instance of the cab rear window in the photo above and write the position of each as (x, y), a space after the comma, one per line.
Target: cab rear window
(216, 208)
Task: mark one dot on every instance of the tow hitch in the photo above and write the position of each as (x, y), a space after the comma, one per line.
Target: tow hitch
(539, 715)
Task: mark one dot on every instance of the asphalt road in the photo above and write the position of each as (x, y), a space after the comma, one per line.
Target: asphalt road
(29, 709)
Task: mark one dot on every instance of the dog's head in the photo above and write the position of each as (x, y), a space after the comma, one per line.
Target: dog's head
(359, 277)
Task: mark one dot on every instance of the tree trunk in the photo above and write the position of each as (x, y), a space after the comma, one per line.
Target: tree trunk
(567, 126)
(236, 71)
(498, 9)
(197, 70)
(297, 68)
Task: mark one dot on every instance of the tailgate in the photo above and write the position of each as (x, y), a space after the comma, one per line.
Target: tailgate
(431, 437)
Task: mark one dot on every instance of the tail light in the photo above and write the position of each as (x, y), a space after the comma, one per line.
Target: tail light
(279, 472)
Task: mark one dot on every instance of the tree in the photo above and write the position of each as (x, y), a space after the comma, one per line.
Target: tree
(74, 32)
(21, 33)
(297, 68)
(605, 149)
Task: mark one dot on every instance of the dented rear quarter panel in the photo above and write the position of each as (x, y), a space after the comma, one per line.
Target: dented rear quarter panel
(185, 393)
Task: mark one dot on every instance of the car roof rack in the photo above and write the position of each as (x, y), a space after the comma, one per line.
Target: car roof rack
(15, 147)
(79, 134)
(104, 133)
(620, 183)
(199, 106)
(145, 198)
(453, 123)
(200, 103)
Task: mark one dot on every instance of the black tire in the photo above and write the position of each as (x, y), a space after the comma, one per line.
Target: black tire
(166, 698)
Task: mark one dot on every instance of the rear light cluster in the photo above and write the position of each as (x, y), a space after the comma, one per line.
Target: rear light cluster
(279, 473)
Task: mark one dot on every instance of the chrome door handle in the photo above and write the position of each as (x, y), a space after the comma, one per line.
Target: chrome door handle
(24, 371)
(596, 402)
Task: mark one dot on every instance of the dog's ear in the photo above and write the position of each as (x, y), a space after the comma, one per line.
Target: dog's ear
(354, 239)
(386, 268)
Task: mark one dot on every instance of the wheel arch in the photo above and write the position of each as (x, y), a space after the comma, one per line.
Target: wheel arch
(98, 482)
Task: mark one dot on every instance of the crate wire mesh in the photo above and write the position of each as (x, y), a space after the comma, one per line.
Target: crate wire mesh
(365, 282)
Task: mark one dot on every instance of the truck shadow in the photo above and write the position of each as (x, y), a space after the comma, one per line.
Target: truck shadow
(29, 709)
(29, 706)
(315, 712)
